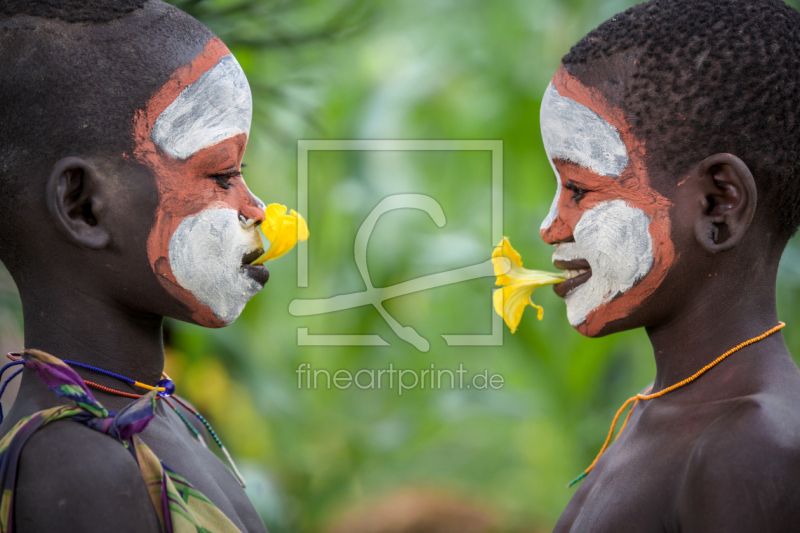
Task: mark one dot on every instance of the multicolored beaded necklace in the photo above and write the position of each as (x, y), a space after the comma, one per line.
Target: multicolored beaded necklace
(640, 397)
(165, 390)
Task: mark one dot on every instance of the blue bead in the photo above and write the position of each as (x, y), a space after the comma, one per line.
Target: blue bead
(169, 387)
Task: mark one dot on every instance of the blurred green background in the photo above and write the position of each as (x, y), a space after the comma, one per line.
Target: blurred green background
(437, 69)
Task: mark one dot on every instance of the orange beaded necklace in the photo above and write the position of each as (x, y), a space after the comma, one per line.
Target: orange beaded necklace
(638, 397)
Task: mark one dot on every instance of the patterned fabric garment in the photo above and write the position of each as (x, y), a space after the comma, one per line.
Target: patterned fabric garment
(180, 508)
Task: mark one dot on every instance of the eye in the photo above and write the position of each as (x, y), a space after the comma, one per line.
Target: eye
(223, 178)
(579, 192)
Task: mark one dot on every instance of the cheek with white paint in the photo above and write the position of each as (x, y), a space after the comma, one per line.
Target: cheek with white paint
(217, 106)
(614, 238)
(573, 132)
(205, 255)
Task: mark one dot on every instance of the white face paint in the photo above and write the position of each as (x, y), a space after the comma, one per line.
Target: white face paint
(217, 106)
(205, 254)
(573, 132)
(614, 239)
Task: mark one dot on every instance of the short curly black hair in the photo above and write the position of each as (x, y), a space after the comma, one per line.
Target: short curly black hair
(712, 76)
(72, 75)
(71, 10)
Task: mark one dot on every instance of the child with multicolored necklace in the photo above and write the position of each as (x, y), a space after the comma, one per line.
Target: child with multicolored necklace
(124, 127)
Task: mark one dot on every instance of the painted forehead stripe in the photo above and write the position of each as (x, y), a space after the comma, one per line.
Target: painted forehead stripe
(217, 106)
(573, 132)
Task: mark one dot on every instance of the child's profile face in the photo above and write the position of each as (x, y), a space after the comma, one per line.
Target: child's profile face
(192, 135)
(606, 216)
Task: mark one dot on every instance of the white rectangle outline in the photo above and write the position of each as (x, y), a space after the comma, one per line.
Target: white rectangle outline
(304, 146)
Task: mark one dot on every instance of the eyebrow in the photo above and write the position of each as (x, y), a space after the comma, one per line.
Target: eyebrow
(573, 132)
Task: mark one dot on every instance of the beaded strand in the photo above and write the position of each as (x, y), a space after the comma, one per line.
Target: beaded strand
(110, 390)
(7, 381)
(114, 375)
(640, 396)
(214, 436)
(165, 389)
(188, 425)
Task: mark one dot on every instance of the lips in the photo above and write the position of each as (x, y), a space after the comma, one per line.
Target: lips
(259, 273)
(577, 271)
(249, 257)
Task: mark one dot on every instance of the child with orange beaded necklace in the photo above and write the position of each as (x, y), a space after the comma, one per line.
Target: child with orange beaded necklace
(673, 131)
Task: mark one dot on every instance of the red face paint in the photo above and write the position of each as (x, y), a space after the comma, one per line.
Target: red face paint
(632, 186)
(188, 186)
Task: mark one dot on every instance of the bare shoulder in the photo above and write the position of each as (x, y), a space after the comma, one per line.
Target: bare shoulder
(764, 419)
(72, 478)
(742, 472)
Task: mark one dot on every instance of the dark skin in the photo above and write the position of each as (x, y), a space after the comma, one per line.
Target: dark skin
(120, 339)
(90, 295)
(719, 454)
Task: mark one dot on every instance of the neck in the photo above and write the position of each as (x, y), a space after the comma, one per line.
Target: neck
(713, 324)
(78, 326)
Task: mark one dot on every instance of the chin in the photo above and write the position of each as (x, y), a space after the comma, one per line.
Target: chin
(211, 322)
(597, 329)
(615, 316)
(226, 312)
(203, 315)
(205, 255)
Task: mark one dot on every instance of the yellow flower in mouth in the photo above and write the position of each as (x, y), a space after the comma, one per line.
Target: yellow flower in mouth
(518, 284)
(282, 231)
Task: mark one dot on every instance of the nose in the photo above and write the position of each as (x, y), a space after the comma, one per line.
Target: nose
(252, 212)
(558, 231)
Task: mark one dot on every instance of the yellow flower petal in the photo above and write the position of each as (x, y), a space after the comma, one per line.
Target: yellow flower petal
(518, 284)
(504, 249)
(302, 228)
(508, 268)
(282, 231)
(510, 303)
(274, 216)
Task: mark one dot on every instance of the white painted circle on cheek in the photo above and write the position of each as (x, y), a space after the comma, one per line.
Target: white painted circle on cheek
(614, 238)
(205, 254)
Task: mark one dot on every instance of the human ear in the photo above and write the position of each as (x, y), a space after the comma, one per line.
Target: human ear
(728, 202)
(75, 204)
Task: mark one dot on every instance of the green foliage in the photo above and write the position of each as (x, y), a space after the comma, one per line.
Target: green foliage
(424, 70)
(465, 69)
(418, 70)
